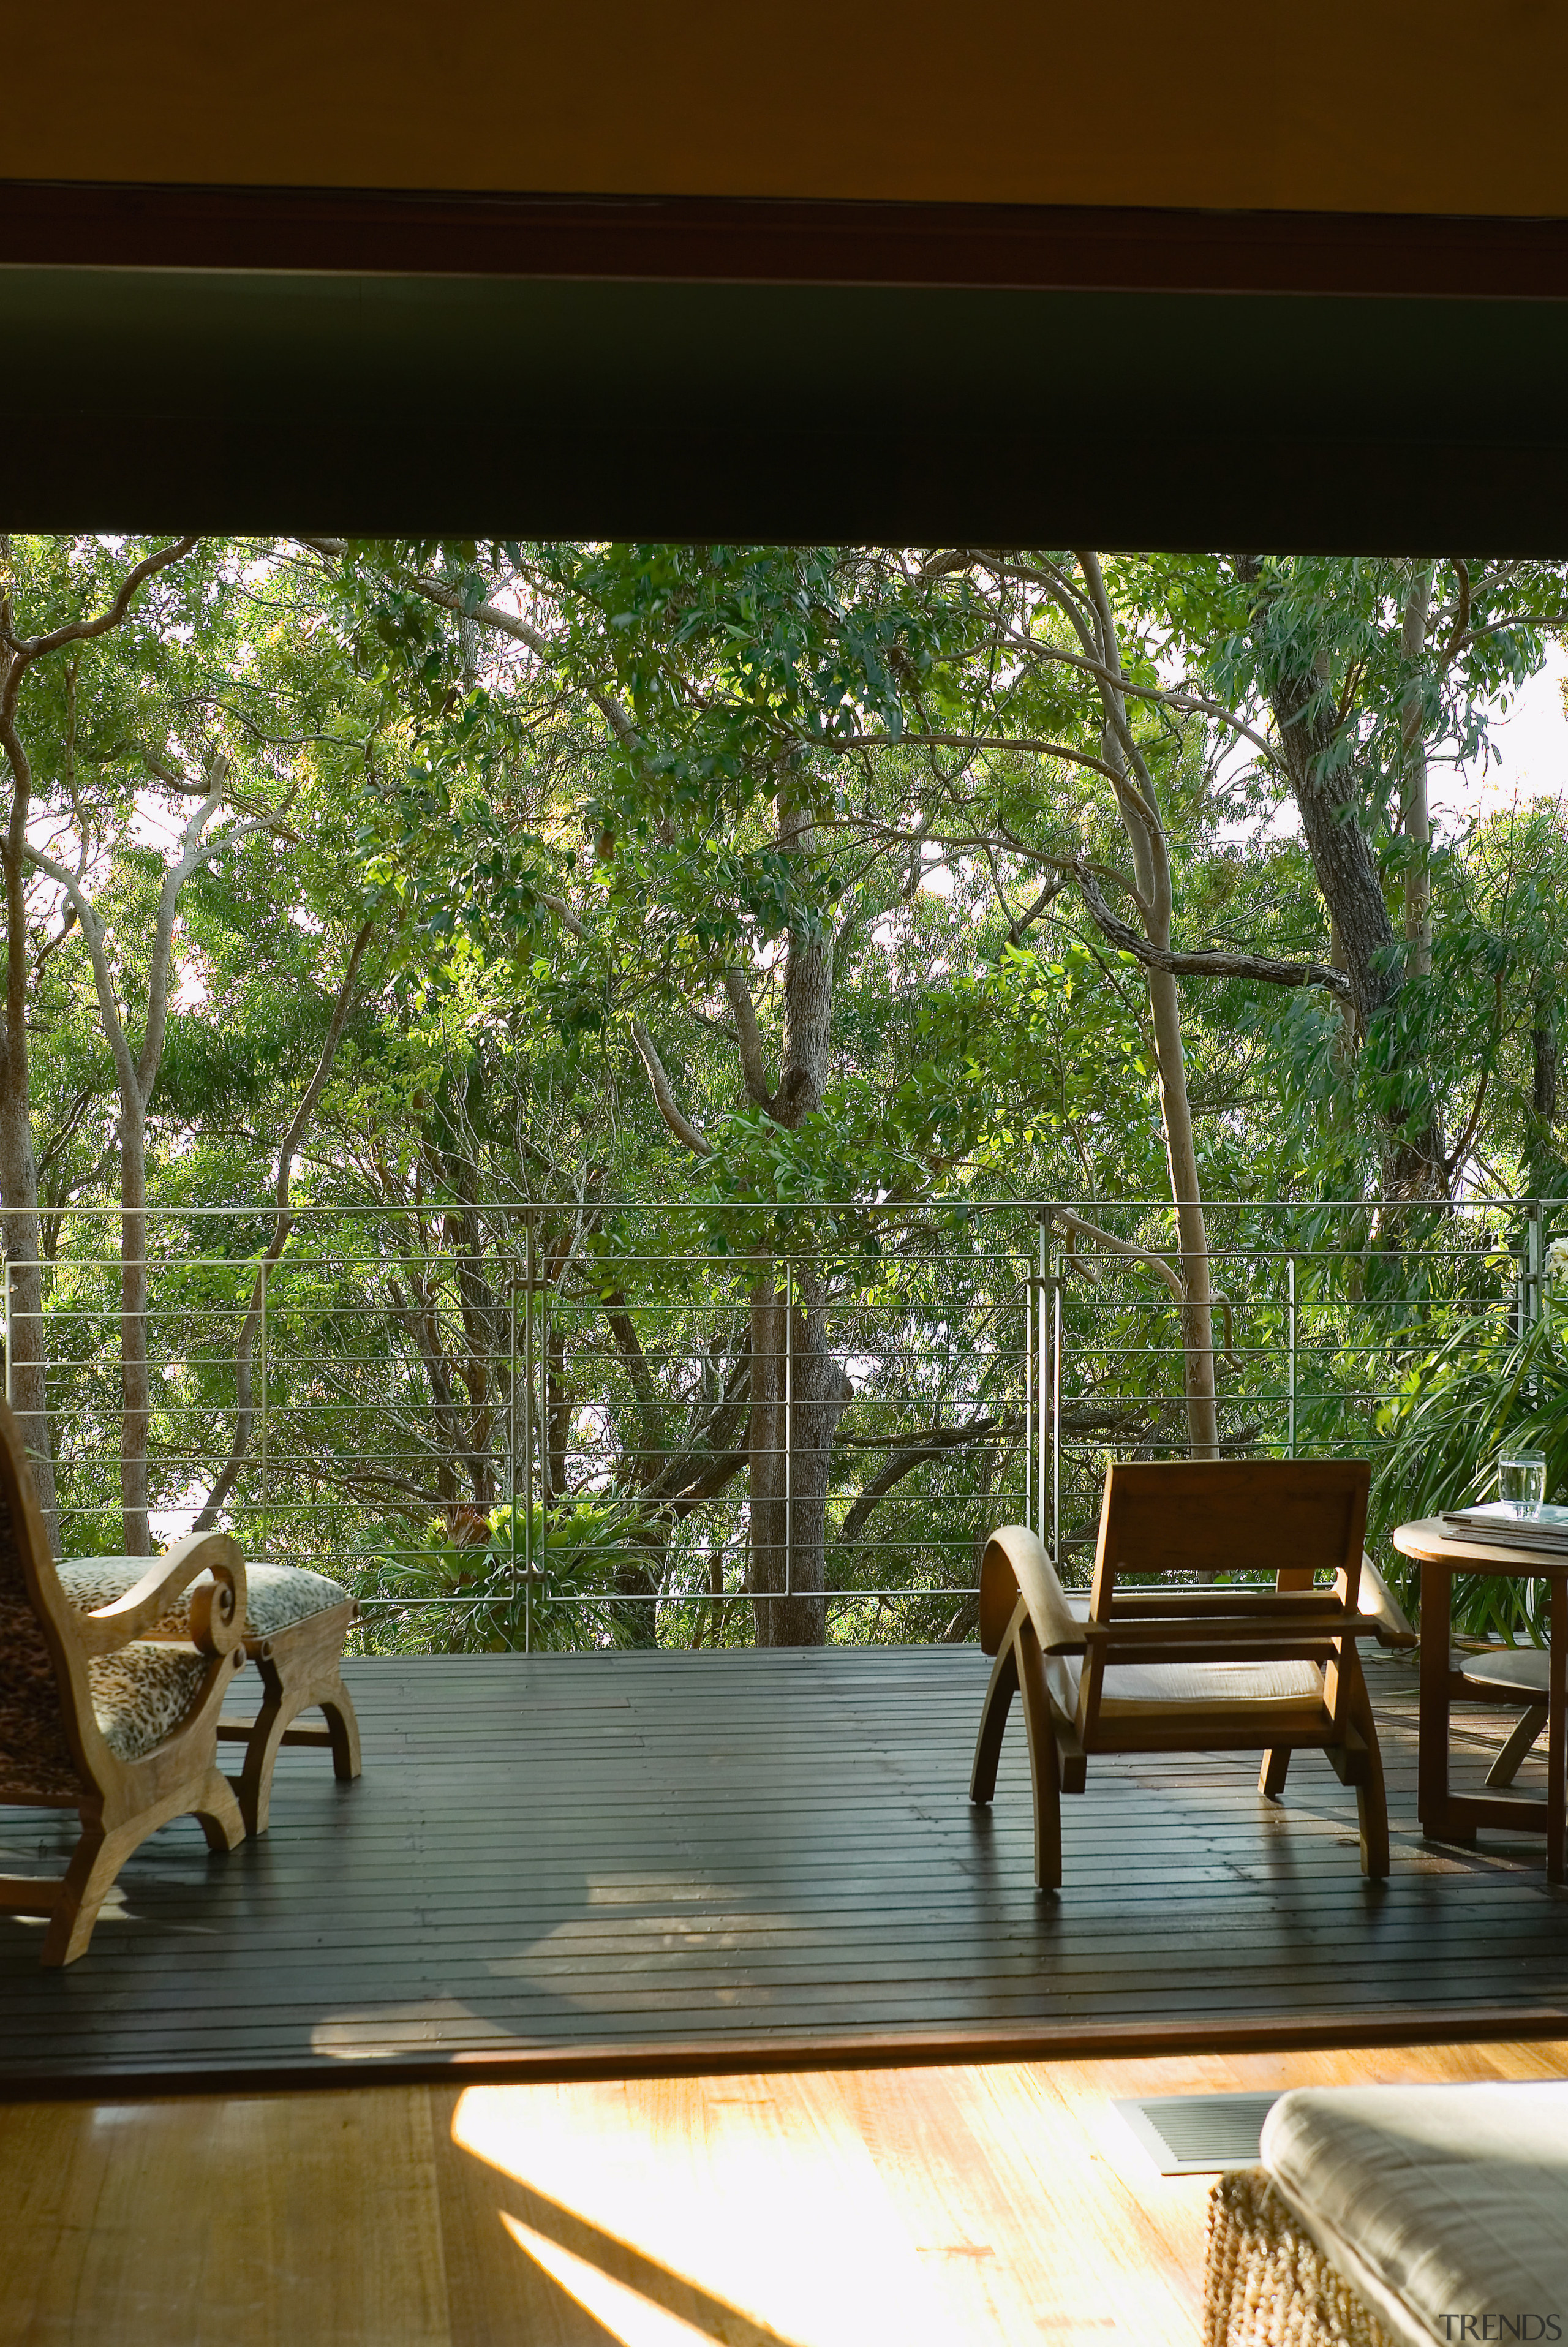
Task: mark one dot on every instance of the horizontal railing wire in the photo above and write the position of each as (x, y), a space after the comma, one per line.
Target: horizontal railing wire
(429, 1416)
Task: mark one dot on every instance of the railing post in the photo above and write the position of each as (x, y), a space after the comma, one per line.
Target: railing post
(1043, 1396)
(8, 1278)
(529, 1440)
(546, 1493)
(265, 1447)
(1290, 1272)
(512, 1451)
(1534, 1285)
(789, 1422)
(1029, 1401)
(1056, 1419)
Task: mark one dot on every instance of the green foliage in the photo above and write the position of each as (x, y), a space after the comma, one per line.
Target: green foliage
(658, 768)
(1478, 1391)
(530, 1580)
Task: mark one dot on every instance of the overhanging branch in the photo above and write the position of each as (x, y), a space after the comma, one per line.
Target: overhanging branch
(680, 1124)
(1259, 966)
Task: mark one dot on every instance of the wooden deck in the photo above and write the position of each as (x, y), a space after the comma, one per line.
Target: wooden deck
(564, 1864)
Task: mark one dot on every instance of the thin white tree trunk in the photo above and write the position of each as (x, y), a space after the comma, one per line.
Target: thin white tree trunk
(1415, 807)
(27, 1360)
(18, 1170)
(135, 1403)
(135, 1077)
(22, 1236)
(1139, 807)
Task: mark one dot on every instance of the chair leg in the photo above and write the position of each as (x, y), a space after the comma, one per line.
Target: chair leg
(342, 1726)
(104, 1849)
(89, 1878)
(219, 1814)
(300, 1670)
(1271, 1776)
(993, 1724)
(1044, 1762)
(1372, 1799)
(1019, 1669)
(1506, 1766)
(261, 1748)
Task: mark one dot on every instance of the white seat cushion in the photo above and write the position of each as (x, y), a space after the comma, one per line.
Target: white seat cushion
(1433, 2200)
(278, 1596)
(1133, 1688)
(1520, 1670)
(1130, 1687)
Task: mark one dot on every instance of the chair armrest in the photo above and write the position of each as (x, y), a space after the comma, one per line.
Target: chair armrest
(1392, 1624)
(1016, 1565)
(216, 1614)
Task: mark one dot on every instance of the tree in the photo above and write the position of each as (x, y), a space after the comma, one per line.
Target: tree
(61, 629)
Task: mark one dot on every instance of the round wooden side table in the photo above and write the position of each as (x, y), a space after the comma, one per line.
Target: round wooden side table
(1447, 1816)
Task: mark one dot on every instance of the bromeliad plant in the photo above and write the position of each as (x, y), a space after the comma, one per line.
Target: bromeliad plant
(476, 1595)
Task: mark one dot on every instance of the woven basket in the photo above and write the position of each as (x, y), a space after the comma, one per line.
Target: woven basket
(1266, 2284)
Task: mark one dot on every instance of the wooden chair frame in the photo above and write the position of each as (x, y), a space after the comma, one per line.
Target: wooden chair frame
(121, 1802)
(301, 1670)
(1294, 1519)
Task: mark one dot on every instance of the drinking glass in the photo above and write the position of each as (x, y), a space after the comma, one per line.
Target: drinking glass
(1521, 1480)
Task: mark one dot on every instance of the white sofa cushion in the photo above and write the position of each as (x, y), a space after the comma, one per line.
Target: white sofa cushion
(1433, 2200)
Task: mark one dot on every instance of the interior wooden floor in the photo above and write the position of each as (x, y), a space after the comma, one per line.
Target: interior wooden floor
(746, 1861)
(971, 2207)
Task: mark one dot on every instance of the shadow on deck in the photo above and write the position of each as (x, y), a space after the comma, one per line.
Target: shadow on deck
(565, 1864)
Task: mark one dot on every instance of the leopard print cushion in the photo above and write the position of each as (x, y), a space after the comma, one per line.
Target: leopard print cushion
(143, 1692)
(278, 1596)
(34, 1755)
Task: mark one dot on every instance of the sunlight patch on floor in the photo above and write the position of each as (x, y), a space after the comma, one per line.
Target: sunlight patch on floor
(626, 2315)
(760, 2213)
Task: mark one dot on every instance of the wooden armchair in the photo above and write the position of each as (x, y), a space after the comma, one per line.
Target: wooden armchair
(93, 1718)
(295, 1625)
(1164, 1659)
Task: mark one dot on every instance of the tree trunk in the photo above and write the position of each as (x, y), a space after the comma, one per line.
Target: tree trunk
(799, 1394)
(1192, 1228)
(1415, 809)
(27, 1360)
(1138, 806)
(18, 1172)
(1324, 789)
(136, 1388)
(798, 1391)
(767, 1433)
(1543, 1155)
(245, 1391)
(22, 1238)
(1336, 842)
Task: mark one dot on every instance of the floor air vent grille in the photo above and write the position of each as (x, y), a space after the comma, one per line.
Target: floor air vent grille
(1195, 2134)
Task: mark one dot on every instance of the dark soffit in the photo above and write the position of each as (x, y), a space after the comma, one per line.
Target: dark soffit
(261, 361)
(763, 241)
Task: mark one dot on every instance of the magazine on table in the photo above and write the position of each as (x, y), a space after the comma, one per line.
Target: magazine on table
(1499, 1525)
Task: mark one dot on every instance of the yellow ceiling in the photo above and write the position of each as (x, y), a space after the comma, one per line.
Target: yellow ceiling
(1350, 104)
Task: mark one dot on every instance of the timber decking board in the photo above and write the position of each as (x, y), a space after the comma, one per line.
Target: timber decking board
(565, 1858)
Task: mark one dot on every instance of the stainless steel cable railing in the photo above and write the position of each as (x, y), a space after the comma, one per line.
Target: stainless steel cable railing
(534, 1423)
